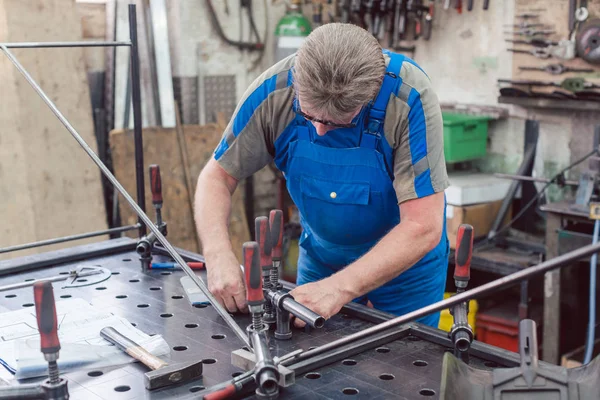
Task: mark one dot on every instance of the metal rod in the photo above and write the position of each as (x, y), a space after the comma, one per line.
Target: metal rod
(136, 99)
(69, 238)
(304, 313)
(218, 307)
(38, 45)
(531, 179)
(458, 298)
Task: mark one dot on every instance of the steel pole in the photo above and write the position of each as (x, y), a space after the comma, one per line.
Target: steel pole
(136, 99)
(458, 298)
(224, 314)
(40, 45)
(532, 179)
(69, 238)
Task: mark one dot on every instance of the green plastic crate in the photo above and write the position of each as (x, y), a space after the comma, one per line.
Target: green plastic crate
(465, 137)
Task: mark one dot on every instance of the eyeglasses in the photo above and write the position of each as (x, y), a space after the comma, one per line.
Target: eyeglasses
(324, 122)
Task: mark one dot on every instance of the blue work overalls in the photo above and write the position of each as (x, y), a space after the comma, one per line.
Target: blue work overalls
(342, 185)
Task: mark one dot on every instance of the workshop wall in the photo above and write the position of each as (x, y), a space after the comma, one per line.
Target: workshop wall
(464, 59)
(47, 182)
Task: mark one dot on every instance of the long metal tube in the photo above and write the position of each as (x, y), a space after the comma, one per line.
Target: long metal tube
(136, 99)
(218, 307)
(531, 179)
(36, 45)
(68, 238)
(458, 298)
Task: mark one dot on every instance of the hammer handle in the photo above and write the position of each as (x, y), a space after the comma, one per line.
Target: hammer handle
(132, 348)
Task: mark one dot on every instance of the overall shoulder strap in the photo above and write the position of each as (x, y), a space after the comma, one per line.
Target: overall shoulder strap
(376, 116)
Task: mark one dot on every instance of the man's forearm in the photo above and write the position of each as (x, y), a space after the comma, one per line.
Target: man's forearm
(401, 248)
(212, 210)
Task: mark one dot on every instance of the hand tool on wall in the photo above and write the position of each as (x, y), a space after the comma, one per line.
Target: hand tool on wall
(587, 41)
(92, 276)
(565, 49)
(531, 32)
(428, 24)
(461, 332)
(555, 69)
(537, 42)
(570, 84)
(486, 4)
(55, 387)
(258, 45)
(536, 51)
(162, 374)
(266, 373)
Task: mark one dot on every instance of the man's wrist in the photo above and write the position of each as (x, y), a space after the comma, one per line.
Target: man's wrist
(345, 286)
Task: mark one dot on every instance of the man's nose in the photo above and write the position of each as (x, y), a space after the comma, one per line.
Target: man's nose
(322, 129)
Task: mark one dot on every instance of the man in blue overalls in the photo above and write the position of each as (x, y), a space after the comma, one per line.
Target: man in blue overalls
(357, 132)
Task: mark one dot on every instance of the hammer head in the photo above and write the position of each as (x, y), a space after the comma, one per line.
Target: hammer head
(172, 374)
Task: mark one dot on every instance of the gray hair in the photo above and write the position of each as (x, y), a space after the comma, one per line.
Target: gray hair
(338, 69)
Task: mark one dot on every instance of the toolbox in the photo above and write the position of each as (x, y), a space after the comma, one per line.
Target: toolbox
(499, 325)
(465, 137)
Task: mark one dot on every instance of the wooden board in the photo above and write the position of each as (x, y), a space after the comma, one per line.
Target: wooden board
(161, 147)
(49, 187)
(555, 15)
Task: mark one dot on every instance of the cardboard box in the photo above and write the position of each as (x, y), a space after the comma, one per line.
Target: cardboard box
(574, 358)
(480, 216)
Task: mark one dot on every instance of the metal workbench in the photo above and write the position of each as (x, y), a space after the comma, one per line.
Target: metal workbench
(407, 368)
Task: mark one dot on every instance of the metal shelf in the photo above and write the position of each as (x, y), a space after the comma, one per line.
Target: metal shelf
(563, 104)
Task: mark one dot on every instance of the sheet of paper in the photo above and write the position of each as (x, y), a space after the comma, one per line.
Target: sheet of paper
(79, 325)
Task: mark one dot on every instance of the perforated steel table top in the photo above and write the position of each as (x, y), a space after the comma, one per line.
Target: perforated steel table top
(409, 368)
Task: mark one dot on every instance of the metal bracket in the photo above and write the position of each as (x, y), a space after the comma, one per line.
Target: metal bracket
(245, 360)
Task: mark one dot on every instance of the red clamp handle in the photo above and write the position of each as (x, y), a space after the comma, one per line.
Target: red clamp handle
(276, 227)
(262, 237)
(463, 253)
(45, 310)
(196, 265)
(224, 393)
(252, 274)
(155, 184)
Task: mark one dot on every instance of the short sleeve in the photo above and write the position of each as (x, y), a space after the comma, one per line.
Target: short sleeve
(247, 142)
(419, 162)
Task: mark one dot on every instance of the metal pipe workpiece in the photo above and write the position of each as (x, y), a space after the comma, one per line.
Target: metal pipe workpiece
(286, 302)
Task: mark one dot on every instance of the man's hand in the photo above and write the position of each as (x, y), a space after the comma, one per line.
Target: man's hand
(324, 297)
(226, 283)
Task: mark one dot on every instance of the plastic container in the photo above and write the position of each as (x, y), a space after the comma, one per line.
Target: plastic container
(465, 137)
(446, 319)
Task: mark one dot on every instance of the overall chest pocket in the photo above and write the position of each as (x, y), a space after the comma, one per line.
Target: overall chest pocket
(343, 213)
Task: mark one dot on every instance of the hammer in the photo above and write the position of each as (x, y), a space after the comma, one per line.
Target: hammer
(162, 374)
